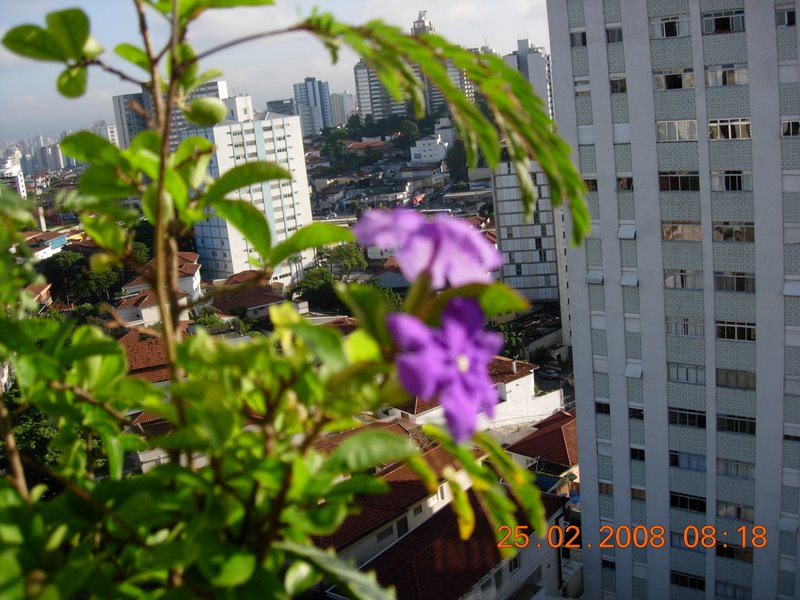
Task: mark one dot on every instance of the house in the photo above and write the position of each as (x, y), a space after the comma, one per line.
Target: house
(432, 562)
(41, 294)
(142, 308)
(188, 276)
(146, 355)
(519, 403)
(44, 244)
(429, 149)
(248, 299)
(551, 452)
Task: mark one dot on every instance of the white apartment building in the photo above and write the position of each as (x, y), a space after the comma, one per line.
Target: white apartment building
(685, 298)
(312, 100)
(248, 137)
(12, 177)
(105, 131)
(429, 149)
(534, 253)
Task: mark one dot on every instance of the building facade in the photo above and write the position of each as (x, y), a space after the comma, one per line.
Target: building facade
(129, 122)
(372, 98)
(312, 100)
(247, 137)
(685, 297)
(342, 106)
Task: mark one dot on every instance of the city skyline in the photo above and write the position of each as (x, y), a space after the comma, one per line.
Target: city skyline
(37, 108)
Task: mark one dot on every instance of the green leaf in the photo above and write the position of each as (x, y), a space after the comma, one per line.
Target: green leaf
(70, 28)
(34, 42)
(106, 232)
(244, 176)
(369, 306)
(102, 181)
(461, 504)
(192, 159)
(495, 299)
(205, 111)
(11, 580)
(362, 586)
(90, 148)
(367, 449)
(250, 221)
(310, 236)
(228, 571)
(92, 48)
(72, 82)
(325, 343)
(360, 346)
(299, 577)
(133, 54)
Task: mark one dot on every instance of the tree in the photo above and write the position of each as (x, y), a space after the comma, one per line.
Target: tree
(347, 258)
(409, 133)
(486, 210)
(456, 160)
(73, 281)
(317, 288)
(513, 342)
(353, 124)
(141, 253)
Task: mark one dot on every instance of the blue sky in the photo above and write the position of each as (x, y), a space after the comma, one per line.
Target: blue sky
(30, 104)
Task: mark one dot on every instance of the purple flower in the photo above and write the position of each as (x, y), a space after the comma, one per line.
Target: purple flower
(451, 362)
(450, 250)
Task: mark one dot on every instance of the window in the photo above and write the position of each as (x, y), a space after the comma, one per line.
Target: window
(681, 230)
(723, 590)
(790, 128)
(729, 330)
(742, 380)
(498, 579)
(684, 326)
(636, 413)
(719, 75)
(683, 279)
(486, 585)
(684, 373)
(607, 563)
(602, 408)
(687, 418)
(686, 580)
(382, 535)
(726, 21)
(679, 181)
(785, 17)
(690, 462)
(735, 511)
(518, 269)
(619, 85)
(666, 27)
(637, 453)
(402, 527)
(731, 181)
(513, 564)
(577, 39)
(591, 185)
(582, 87)
(624, 184)
(676, 131)
(734, 281)
(676, 540)
(605, 488)
(638, 494)
(736, 468)
(687, 502)
(729, 129)
(673, 79)
(735, 552)
(613, 35)
(734, 424)
(734, 231)
(417, 510)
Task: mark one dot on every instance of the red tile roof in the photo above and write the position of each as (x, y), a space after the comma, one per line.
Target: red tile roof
(555, 440)
(433, 563)
(146, 356)
(188, 265)
(144, 299)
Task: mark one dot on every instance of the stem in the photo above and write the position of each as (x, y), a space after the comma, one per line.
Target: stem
(109, 69)
(12, 452)
(241, 40)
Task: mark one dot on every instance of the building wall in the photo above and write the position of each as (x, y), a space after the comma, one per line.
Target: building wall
(620, 328)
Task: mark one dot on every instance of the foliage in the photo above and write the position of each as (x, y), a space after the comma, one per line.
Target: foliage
(409, 133)
(317, 288)
(456, 160)
(486, 210)
(73, 281)
(514, 346)
(235, 508)
(208, 319)
(347, 258)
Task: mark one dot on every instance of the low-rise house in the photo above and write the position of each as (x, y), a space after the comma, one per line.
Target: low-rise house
(429, 149)
(518, 404)
(141, 308)
(251, 301)
(44, 244)
(188, 276)
(41, 293)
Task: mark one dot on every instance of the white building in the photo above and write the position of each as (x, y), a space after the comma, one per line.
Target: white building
(105, 131)
(342, 106)
(429, 149)
(372, 98)
(534, 64)
(248, 137)
(685, 298)
(11, 176)
(129, 122)
(312, 100)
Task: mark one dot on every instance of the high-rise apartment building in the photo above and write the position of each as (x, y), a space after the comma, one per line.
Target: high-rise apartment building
(247, 137)
(283, 107)
(129, 121)
(312, 100)
(534, 254)
(685, 297)
(105, 131)
(342, 106)
(372, 98)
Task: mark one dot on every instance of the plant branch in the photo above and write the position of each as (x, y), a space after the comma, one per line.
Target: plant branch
(12, 452)
(86, 397)
(109, 69)
(242, 40)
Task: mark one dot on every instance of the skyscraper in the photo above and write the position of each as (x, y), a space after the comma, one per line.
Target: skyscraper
(685, 298)
(342, 106)
(129, 121)
(372, 97)
(312, 100)
(247, 137)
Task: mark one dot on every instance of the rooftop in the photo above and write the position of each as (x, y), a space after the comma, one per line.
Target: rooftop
(555, 440)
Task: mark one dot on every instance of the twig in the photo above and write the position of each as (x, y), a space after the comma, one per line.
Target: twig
(239, 41)
(109, 69)
(12, 452)
(86, 397)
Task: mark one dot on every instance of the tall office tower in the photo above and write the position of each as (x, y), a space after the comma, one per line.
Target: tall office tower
(685, 298)
(282, 107)
(129, 121)
(372, 98)
(12, 177)
(342, 106)
(313, 101)
(108, 132)
(248, 137)
(434, 99)
(534, 253)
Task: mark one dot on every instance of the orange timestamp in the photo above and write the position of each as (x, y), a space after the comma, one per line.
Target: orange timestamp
(639, 536)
